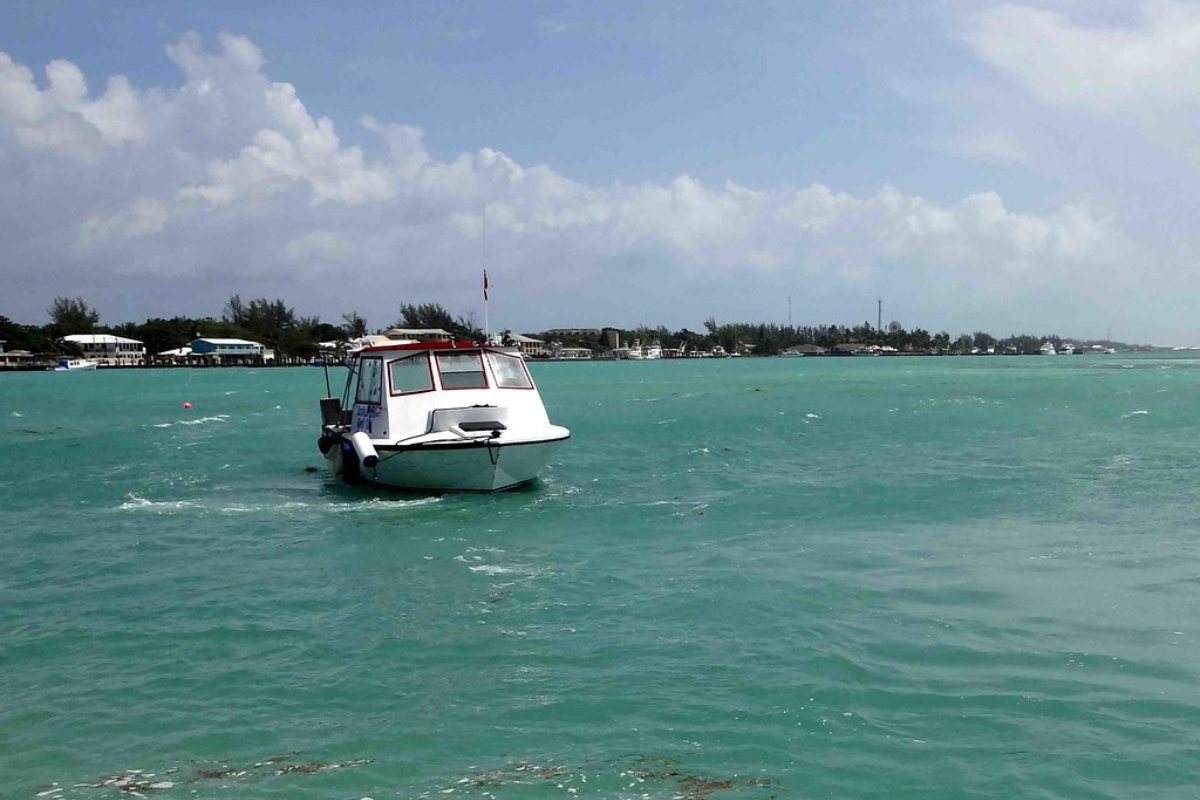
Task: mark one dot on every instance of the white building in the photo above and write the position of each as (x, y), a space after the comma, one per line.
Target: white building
(109, 350)
(526, 344)
(229, 351)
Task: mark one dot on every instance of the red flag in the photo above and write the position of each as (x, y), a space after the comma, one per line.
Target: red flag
(485, 286)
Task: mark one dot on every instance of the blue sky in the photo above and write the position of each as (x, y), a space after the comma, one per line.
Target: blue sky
(1022, 167)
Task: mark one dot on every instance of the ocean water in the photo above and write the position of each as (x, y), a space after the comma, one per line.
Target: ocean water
(761, 578)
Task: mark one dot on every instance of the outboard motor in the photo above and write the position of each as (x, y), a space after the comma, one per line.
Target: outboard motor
(351, 471)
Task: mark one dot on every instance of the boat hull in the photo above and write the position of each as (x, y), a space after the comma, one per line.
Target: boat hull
(75, 366)
(475, 466)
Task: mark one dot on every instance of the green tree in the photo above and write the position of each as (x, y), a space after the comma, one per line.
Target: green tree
(160, 334)
(70, 316)
(25, 337)
(984, 340)
(355, 325)
(434, 315)
(273, 323)
(296, 343)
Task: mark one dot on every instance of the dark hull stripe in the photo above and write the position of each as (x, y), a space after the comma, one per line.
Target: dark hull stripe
(468, 445)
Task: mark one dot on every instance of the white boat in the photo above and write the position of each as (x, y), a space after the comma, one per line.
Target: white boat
(438, 416)
(1047, 349)
(74, 365)
(653, 351)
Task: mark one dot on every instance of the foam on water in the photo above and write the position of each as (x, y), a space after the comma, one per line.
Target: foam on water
(135, 503)
(203, 420)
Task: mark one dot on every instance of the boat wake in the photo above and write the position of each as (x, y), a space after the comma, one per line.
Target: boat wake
(136, 502)
(376, 504)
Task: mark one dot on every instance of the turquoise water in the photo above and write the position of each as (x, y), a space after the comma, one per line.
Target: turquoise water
(848, 578)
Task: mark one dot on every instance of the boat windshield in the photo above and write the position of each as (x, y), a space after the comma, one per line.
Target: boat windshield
(510, 371)
(461, 370)
(411, 374)
(370, 381)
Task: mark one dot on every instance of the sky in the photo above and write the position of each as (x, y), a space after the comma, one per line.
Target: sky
(1004, 167)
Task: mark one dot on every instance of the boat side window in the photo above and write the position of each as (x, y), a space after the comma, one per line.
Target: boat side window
(461, 371)
(411, 374)
(510, 371)
(370, 381)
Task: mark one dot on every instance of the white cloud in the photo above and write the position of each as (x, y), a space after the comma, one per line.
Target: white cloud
(145, 216)
(296, 148)
(61, 118)
(1098, 68)
(227, 183)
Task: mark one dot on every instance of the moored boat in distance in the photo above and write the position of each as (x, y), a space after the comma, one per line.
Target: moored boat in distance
(438, 416)
(74, 365)
(1047, 349)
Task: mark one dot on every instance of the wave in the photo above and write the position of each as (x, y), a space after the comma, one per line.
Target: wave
(380, 504)
(496, 569)
(200, 421)
(204, 420)
(137, 503)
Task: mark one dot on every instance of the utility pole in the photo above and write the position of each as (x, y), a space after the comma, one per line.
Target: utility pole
(879, 319)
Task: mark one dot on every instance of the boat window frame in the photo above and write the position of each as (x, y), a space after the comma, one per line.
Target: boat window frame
(529, 387)
(478, 354)
(362, 370)
(428, 365)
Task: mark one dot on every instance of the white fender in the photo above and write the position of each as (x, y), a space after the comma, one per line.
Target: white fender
(364, 449)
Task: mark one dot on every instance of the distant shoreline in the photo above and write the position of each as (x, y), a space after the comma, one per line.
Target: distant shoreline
(49, 366)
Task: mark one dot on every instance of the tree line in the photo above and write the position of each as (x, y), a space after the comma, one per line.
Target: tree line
(771, 339)
(276, 325)
(272, 323)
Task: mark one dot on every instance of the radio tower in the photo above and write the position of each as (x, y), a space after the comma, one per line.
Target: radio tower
(879, 319)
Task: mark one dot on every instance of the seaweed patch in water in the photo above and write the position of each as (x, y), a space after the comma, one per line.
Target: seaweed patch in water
(516, 774)
(694, 787)
(137, 782)
(629, 772)
(133, 781)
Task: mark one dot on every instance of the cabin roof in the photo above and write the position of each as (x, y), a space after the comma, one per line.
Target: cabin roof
(436, 345)
(412, 333)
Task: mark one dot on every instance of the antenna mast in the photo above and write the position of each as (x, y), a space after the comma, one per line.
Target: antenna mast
(487, 328)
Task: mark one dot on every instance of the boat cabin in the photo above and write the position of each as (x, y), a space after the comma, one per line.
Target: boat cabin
(402, 391)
